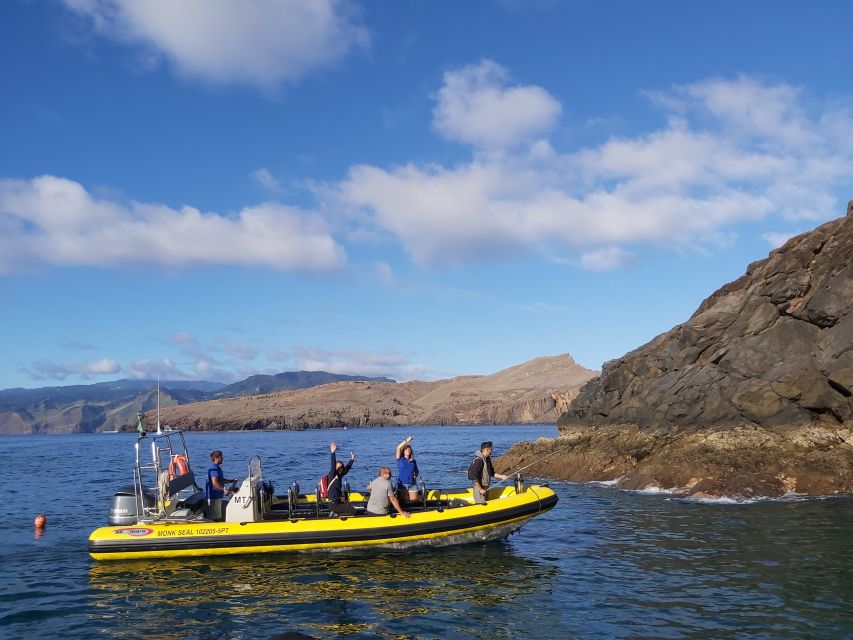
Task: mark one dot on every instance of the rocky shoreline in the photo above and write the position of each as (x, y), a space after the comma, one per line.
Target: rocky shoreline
(738, 462)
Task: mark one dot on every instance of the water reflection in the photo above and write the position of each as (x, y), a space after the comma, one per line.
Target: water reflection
(366, 593)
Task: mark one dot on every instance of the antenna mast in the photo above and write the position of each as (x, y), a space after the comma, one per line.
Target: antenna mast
(158, 406)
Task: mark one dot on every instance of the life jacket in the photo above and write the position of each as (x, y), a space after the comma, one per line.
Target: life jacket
(485, 477)
(178, 467)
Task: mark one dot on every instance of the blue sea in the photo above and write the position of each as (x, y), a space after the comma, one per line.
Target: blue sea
(604, 563)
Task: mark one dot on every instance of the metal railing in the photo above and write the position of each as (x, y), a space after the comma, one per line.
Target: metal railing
(164, 447)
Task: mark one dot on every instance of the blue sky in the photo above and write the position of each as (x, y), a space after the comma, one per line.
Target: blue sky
(211, 189)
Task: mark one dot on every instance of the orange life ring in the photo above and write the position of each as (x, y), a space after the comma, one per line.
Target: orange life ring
(178, 466)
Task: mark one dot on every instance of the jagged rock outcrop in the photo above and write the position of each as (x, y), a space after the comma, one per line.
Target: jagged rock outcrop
(774, 347)
(533, 392)
(753, 395)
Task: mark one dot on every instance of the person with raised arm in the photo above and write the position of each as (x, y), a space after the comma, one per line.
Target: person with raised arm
(407, 471)
(336, 473)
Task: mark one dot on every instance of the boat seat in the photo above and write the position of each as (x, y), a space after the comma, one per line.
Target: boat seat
(180, 482)
(194, 502)
(185, 514)
(343, 509)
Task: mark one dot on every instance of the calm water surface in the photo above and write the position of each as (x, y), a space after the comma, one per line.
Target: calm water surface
(603, 564)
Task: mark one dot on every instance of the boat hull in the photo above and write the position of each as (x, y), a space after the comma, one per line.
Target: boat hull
(475, 522)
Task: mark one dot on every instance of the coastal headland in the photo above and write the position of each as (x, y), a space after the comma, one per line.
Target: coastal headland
(537, 391)
(752, 396)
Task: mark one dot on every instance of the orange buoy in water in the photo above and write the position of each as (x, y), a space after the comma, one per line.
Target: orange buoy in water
(40, 521)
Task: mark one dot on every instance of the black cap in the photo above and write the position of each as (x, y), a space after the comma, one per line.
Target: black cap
(487, 443)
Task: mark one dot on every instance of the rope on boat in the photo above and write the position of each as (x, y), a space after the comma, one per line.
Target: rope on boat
(535, 462)
(538, 499)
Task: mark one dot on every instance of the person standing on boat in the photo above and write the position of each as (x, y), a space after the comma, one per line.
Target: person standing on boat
(481, 472)
(382, 496)
(336, 474)
(407, 471)
(215, 488)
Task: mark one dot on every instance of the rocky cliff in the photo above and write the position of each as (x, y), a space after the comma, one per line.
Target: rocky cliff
(753, 395)
(535, 391)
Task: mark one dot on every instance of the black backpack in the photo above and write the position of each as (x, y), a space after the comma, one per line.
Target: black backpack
(473, 476)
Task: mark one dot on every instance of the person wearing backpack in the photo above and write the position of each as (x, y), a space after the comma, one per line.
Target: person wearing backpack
(481, 471)
(334, 478)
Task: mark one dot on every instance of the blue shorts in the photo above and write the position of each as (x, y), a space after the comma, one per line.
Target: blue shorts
(411, 488)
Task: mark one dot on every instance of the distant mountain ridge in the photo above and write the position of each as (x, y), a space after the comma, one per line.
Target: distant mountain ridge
(101, 390)
(104, 406)
(260, 384)
(536, 391)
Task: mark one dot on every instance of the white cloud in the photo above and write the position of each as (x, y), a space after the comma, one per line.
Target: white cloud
(241, 351)
(48, 370)
(206, 370)
(756, 110)
(55, 221)
(264, 178)
(715, 163)
(151, 369)
(198, 351)
(476, 106)
(205, 364)
(385, 273)
(606, 259)
(391, 364)
(262, 43)
(778, 238)
(102, 366)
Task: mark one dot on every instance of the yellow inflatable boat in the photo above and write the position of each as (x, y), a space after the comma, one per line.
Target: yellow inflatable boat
(168, 519)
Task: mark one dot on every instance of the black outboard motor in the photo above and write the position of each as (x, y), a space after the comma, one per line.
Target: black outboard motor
(125, 506)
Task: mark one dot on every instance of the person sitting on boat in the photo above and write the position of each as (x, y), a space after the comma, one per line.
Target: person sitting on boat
(481, 471)
(382, 496)
(215, 488)
(407, 471)
(336, 474)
